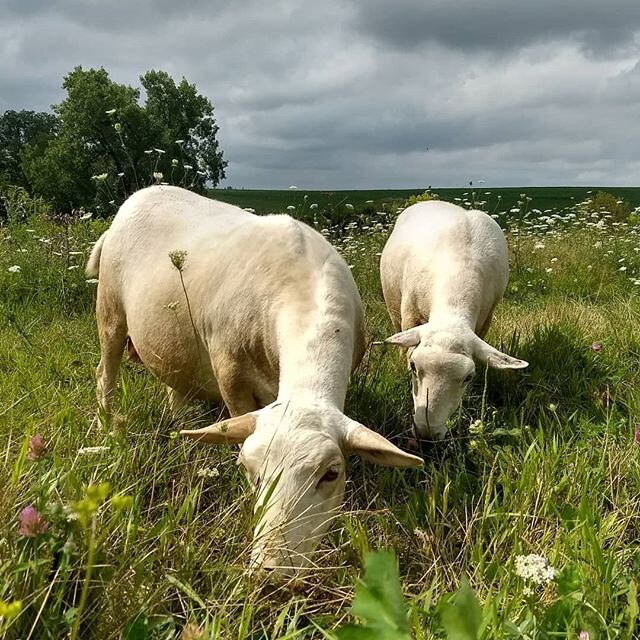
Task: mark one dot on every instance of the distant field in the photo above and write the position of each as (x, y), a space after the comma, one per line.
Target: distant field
(268, 200)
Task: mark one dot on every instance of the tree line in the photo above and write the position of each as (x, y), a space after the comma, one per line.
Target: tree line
(106, 140)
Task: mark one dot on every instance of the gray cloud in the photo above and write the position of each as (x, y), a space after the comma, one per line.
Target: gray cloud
(368, 94)
(499, 25)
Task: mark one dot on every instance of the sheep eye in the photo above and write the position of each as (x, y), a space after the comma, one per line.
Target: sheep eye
(331, 475)
(412, 365)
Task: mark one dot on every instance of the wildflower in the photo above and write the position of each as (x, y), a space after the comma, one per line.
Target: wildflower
(554, 259)
(89, 451)
(622, 269)
(174, 162)
(179, 141)
(596, 346)
(553, 407)
(73, 266)
(10, 610)
(534, 568)
(549, 270)
(584, 635)
(92, 281)
(204, 472)
(423, 536)
(160, 151)
(178, 259)
(120, 501)
(527, 591)
(192, 632)
(86, 216)
(313, 206)
(121, 174)
(32, 524)
(15, 269)
(638, 436)
(118, 127)
(348, 206)
(110, 112)
(148, 151)
(188, 167)
(158, 175)
(291, 208)
(37, 447)
(101, 177)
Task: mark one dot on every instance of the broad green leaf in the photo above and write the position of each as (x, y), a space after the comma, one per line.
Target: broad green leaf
(461, 616)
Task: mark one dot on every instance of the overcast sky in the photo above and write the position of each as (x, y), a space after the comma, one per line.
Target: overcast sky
(366, 93)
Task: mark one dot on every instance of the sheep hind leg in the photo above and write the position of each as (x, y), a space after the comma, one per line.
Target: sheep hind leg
(112, 332)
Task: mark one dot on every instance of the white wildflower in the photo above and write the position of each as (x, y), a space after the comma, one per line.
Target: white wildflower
(86, 216)
(15, 269)
(188, 167)
(73, 266)
(313, 206)
(205, 472)
(101, 177)
(622, 269)
(534, 568)
(110, 112)
(92, 281)
(160, 151)
(158, 175)
(348, 206)
(291, 208)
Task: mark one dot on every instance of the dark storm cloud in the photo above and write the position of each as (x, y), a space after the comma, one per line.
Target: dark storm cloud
(499, 25)
(354, 94)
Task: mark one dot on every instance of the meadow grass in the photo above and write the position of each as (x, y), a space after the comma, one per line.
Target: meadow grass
(541, 461)
(494, 198)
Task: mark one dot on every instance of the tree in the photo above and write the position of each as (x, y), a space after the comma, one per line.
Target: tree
(109, 144)
(19, 130)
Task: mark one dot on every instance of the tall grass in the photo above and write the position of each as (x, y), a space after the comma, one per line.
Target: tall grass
(544, 461)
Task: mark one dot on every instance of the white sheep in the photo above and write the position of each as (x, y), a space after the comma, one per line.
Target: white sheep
(269, 322)
(443, 271)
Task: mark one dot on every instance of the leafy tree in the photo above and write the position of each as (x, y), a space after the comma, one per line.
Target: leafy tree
(19, 130)
(110, 143)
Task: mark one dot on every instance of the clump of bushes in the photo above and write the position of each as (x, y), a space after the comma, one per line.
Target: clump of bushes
(606, 203)
(420, 197)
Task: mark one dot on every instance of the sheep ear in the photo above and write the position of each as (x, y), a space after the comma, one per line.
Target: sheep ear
(232, 431)
(487, 354)
(406, 339)
(376, 448)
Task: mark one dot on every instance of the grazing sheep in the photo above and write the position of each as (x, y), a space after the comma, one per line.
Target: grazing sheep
(271, 324)
(443, 271)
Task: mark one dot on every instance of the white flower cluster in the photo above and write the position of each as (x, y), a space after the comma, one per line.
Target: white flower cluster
(204, 472)
(535, 568)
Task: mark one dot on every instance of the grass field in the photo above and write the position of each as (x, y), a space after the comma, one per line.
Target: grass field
(544, 461)
(557, 198)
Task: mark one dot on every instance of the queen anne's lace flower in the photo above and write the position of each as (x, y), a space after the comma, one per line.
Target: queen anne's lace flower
(535, 568)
